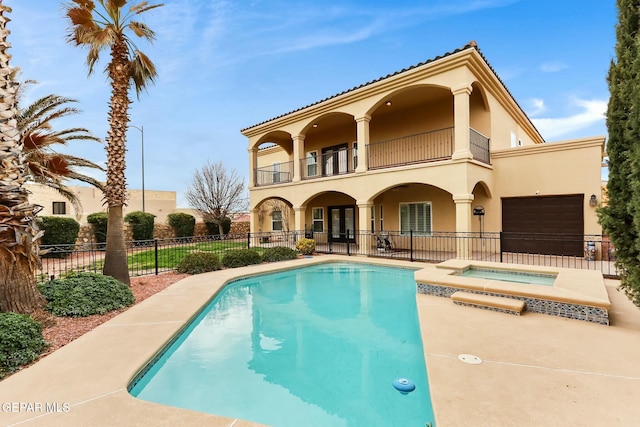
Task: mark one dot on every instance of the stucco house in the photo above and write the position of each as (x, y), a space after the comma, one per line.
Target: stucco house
(441, 146)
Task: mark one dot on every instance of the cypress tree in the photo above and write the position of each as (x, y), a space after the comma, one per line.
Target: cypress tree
(620, 218)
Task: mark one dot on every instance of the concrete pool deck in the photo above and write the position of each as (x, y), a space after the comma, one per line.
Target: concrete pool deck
(536, 369)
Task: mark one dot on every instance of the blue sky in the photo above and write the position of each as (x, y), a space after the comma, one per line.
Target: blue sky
(226, 65)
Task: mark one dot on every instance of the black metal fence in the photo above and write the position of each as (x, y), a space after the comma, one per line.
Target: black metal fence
(160, 255)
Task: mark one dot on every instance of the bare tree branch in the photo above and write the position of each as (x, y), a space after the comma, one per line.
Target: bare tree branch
(216, 192)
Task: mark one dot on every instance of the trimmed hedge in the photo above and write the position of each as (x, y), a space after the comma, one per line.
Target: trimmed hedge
(99, 221)
(21, 341)
(183, 224)
(240, 257)
(279, 253)
(199, 262)
(141, 224)
(59, 231)
(84, 294)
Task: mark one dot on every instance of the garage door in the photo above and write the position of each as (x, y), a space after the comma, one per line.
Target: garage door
(552, 225)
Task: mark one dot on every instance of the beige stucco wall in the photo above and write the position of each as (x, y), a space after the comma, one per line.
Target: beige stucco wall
(158, 203)
(559, 168)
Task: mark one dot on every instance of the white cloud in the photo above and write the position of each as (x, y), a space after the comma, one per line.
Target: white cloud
(592, 112)
(537, 107)
(553, 67)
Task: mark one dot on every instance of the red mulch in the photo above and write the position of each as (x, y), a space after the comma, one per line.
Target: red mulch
(60, 331)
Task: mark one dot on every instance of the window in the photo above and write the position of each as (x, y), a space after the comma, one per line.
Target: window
(373, 218)
(312, 163)
(318, 220)
(415, 217)
(59, 208)
(381, 219)
(276, 220)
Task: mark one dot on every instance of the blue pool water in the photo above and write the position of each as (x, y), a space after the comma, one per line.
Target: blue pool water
(510, 276)
(315, 346)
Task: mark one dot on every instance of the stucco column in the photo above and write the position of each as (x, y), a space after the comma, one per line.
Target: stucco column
(298, 153)
(253, 164)
(364, 238)
(463, 224)
(253, 220)
(462, 122)
(362, 128)
(298, 218)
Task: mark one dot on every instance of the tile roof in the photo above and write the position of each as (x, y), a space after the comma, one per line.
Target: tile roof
(471, 45)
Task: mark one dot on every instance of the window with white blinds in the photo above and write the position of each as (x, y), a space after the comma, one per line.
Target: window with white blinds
(416, 217)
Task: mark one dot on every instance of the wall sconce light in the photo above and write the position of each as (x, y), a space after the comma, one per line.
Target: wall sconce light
(593, 201)
(315, 125)
(388, 103)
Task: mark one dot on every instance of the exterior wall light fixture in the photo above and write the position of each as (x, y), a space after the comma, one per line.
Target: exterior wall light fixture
(593, 201)
(388, 103)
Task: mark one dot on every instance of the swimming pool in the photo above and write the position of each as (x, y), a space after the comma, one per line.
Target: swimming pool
(316, 346)
(510, 276)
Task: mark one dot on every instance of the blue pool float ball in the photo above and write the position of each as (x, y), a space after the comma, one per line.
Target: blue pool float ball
(404, 385)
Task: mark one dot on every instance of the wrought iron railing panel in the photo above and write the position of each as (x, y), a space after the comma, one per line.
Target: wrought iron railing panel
(160, 255)
(423, 147)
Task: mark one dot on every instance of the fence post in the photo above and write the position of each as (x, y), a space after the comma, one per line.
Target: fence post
(155, 244)
(348, 251)
(501, 246)
(411, 245)
(249, 240)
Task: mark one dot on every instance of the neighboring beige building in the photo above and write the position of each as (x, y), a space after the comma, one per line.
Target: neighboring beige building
(158, 203)
(421, 150)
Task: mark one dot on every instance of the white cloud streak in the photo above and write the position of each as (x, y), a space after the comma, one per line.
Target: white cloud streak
(592, 112)
(553, 67)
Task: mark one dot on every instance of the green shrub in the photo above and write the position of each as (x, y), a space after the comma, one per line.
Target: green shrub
(141, 224)
(199, 262)
(59, 231)
(306, 246)
(99, 221)
(84, 294)
(183, 224)
(213, 229)
(240, 258)
(21, 341)
(279, 253)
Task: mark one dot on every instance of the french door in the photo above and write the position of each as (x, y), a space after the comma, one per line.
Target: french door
(335, 160)
(341, 219)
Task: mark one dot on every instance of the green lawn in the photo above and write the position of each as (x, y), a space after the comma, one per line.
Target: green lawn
(170, 257)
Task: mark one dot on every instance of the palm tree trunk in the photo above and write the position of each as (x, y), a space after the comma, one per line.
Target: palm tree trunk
(18, 290)
(115, 261)
(19, 232)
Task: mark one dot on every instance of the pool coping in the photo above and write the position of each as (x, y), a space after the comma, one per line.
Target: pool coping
(560, 361)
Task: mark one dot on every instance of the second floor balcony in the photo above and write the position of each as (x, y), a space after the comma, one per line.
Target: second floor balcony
(432, 146)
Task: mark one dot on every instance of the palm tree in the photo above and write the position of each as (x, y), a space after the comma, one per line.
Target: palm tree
(99, 29)
(46, 166)
(18, 230)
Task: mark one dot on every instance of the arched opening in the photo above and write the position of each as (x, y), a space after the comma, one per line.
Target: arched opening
(274, 159)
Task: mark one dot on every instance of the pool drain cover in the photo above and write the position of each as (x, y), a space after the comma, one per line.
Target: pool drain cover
(470, 359)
